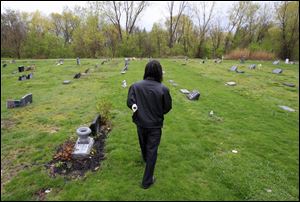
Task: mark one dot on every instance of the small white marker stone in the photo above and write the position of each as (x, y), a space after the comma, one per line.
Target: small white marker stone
(234, 151)
(269, 190)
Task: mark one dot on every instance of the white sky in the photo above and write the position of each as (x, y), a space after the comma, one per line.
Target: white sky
(156, 12)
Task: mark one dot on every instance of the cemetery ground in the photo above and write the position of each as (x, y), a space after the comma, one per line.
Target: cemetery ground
(234, 143)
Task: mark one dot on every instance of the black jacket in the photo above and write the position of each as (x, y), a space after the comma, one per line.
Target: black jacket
(153, 101)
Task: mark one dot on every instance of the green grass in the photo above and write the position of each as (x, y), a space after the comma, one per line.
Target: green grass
(194, 162)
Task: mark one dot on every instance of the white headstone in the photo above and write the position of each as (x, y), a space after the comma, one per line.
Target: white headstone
(230, 83)
(287, 61)
(124, 84)
(185, 91)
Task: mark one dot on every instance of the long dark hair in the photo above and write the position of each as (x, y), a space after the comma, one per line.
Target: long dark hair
(153, 70)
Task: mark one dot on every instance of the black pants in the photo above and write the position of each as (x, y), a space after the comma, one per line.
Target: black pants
(149, 139)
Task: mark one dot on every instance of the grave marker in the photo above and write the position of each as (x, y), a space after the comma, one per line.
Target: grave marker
(230, 83)
(287, 108)
(95, 125)
(26, 99)
(124, 84)
(286, 61)
(252, 66)
(233, 68)
(194, 95)
(29, 76)
(83, 144)
(240, 71)
(184, 91)
(242, 60)
(66, 82)
(21, 68)
(289, 84)
(22, 78)
(277, 71)
(77, 76)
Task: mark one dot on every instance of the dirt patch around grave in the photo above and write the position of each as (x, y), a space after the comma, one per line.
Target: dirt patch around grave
(64, 164)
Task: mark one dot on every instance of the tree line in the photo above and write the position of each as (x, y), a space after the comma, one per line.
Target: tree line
(193, 29)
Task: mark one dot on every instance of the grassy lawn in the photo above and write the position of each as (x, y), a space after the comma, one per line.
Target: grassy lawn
(195, 158)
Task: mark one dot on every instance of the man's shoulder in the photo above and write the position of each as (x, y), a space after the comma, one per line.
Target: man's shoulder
(164, 87)
(136, 84)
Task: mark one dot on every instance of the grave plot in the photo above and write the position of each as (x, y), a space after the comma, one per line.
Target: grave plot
(74, 159)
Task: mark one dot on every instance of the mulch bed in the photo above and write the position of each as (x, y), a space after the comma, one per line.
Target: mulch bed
(64, 164)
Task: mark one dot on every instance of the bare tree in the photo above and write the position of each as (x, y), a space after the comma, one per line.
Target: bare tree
(251, 22)
(114, 10)
(173, 21)
(56, 20)
(216, 35)
(236, 17)
(65, 24)
(264, 22)
(13, 33)
(204, 15)
(132, 11)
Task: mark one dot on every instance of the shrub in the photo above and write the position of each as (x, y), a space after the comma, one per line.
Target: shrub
(104, 109)
(237, 54)
(261, 55)
(252, 55)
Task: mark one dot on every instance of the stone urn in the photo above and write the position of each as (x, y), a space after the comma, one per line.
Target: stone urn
(83, 144)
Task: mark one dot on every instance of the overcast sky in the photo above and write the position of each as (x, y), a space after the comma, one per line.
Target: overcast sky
(156, 12)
